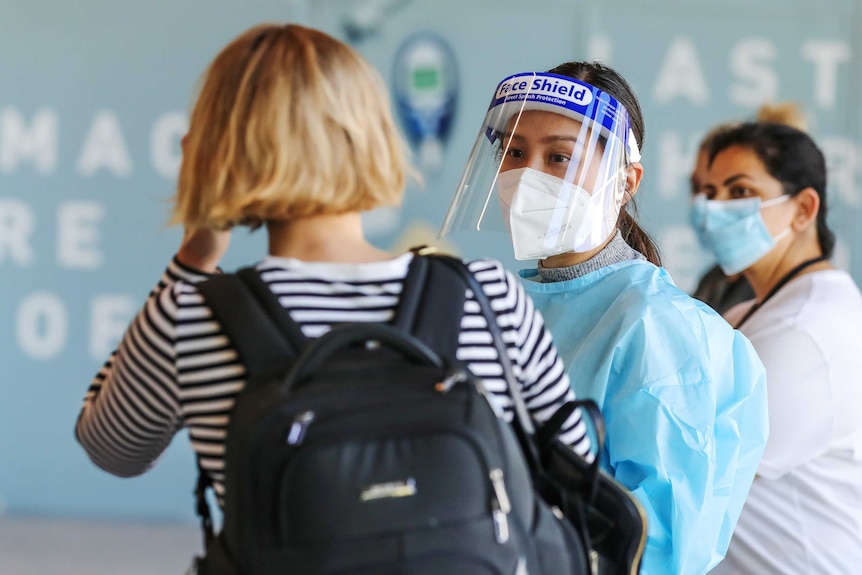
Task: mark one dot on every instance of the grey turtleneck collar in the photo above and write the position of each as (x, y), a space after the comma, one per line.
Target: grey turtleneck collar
(615, 252)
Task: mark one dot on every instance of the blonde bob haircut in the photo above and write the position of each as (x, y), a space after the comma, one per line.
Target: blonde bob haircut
(289, 123)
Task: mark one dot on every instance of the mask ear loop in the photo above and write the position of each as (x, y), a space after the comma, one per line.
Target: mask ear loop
(781, 235)
(774, 201)
(627, 195)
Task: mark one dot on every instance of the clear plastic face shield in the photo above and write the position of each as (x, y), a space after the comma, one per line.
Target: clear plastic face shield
(548, 167)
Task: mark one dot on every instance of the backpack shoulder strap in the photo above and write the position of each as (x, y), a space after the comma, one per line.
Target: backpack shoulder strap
(260, 342)
(522, 420)
(432, 303)
(288, 328)
(253, 326)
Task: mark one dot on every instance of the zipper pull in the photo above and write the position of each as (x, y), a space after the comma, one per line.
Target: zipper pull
(501, 523)
(299, 427)
(450, 381)
(500, 490)
(500, 506)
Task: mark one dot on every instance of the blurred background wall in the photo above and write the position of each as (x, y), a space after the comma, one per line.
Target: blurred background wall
(94, 98)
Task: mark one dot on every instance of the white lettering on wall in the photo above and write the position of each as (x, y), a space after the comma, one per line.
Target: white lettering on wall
(165, 148)
(843, 161)
(17, 224)
(675, 163)
(78, 234)
(104, 148)
(681, 75)
(18, 143)
(826, 56)
(751, 60)
(109, 317)
(43, 325)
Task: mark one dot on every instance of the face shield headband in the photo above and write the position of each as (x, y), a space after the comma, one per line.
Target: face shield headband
(591, 132)
(593, 107)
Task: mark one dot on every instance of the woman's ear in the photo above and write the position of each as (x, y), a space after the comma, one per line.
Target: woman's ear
(807, 207)
(634, 173)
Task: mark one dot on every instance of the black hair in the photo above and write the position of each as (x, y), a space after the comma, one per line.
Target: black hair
(791, 157)
(609, 80)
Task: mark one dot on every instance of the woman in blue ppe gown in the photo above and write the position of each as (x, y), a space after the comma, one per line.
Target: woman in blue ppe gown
(683, 394)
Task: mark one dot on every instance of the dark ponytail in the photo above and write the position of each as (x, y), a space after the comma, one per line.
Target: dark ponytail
(609, 80)
(636, 237)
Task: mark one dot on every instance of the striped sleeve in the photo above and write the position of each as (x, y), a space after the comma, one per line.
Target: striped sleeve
(532, 353)
(131, 409)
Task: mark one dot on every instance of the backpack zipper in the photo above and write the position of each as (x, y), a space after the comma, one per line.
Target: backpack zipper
(500, 506)
(454, 377)
(299, 427)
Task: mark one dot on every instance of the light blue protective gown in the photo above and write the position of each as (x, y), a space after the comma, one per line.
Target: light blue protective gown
(683, 396)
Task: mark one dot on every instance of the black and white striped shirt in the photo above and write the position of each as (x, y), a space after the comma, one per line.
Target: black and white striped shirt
(176, 368)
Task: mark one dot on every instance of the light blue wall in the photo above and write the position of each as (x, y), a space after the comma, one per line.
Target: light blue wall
(93, 97)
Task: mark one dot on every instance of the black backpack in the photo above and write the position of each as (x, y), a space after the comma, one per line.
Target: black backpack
(371, 450)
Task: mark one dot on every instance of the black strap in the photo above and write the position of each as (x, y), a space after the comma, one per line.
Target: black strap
(550, 430)
(248, 323)
(547, 435)
(781, 283)
(289, 329)
(411, 293)
(432, 303)
(238, 313)
(202, 508)
(246, 315)
(522, 421)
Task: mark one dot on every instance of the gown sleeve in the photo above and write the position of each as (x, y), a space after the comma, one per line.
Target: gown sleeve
(695, 391)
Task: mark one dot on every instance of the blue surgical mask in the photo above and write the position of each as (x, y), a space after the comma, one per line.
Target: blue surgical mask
(733, 230)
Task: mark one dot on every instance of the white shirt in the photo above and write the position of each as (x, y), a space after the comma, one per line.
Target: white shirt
(804, 511)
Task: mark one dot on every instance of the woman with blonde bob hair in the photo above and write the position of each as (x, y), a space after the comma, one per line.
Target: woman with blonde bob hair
(291, 131)
(265, 145)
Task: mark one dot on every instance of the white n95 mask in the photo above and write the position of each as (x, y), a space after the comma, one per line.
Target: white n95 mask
(546, 215)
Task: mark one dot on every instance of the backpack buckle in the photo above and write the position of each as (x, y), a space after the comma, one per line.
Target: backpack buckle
(423, 250)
